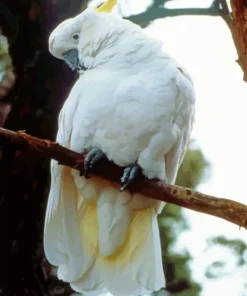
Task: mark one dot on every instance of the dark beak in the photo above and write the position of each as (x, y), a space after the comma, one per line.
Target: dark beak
(71, 58)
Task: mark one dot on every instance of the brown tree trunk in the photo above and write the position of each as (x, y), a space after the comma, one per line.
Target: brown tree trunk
(42, 85)
(239, 31)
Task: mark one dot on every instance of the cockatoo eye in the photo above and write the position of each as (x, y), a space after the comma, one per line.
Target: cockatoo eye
(75, 36)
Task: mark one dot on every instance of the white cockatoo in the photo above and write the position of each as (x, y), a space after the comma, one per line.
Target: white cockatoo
(134, 105)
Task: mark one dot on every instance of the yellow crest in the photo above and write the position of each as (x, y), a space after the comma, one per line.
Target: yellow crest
(107, 6)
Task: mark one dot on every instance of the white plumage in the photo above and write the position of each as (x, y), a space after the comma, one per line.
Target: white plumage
(135, 103)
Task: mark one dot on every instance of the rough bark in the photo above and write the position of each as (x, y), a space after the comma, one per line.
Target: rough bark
(226, 209)
(239, 32)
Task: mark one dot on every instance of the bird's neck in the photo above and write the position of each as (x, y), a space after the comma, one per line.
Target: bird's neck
(124, 49)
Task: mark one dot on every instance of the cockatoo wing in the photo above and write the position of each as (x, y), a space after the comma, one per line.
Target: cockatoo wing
(62, 240)
(184, 119)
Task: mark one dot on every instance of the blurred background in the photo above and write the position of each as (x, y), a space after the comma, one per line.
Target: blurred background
(202, 255)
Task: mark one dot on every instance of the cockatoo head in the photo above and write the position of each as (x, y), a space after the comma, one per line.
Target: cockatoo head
(85, 35)
(64, 40)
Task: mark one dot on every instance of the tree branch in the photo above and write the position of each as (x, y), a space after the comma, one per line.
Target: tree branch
(239, 32)
(145, 18)
(237, 24)
(157, 10)
(226, 209)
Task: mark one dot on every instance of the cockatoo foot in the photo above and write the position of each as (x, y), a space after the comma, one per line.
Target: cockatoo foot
(130, 174)
(91, 160)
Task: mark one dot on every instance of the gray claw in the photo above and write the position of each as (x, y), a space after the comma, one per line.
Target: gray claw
(91, 159)
(130, 174)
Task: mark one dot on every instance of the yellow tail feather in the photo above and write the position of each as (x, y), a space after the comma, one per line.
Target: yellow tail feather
(137, 234)
(107, 6)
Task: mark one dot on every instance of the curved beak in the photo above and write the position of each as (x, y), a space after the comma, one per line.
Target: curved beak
(71, 58)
